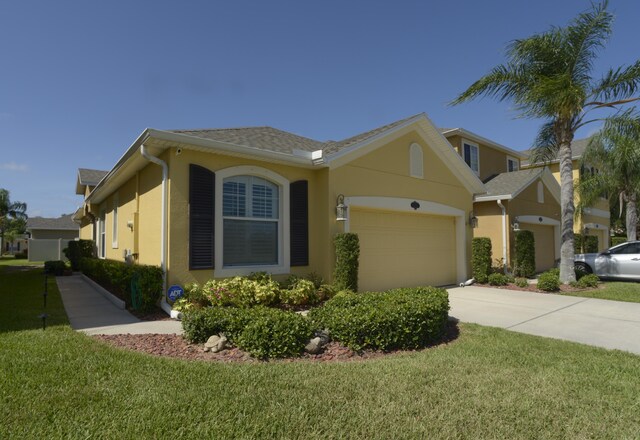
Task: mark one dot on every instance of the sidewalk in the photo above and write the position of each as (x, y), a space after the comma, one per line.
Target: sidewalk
(93, 314)
(597, 322)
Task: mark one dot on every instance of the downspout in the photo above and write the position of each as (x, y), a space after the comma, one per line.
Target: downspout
(504, 235)
(163, 237)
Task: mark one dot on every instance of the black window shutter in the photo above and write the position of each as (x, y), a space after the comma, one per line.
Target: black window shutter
(201, 217)
(299, 223)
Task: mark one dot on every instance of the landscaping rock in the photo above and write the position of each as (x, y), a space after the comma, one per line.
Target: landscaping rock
(215, 343)
(314, 346)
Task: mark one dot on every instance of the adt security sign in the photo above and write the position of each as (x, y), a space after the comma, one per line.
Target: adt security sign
(175, 292)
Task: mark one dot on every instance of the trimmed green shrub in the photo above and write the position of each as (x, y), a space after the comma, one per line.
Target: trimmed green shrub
(587, 281)
(55, 267)
(585, 244)
(525, 254)
(347, 256)
(301, 292)
(549, 281)
(263, 332)
(521, 282)
(481, 258)
(22, 255)
(76, 250)
(618, 240)
(395, 319)
(117, 277)
(498, 279)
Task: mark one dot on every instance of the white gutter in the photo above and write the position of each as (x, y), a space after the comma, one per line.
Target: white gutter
(504, 234)
(163, 237)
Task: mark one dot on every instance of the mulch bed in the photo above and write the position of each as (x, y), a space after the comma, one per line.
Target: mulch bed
(176, 346)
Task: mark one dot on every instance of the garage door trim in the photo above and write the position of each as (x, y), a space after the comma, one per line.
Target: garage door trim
(401, 204)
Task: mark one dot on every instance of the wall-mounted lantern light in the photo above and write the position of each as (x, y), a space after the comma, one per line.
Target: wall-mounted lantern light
(516, 224)
(473, 220)
(341, 209)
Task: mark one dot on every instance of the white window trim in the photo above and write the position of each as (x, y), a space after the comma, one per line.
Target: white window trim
(513, 159)
(477, 147)
(102, 229)
(540, 192)
(399, 204)
(416, 160)
(114, 221)
(284, 253)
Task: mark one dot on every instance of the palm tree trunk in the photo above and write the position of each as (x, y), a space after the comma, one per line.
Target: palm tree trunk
(567, 211)
(632, 217)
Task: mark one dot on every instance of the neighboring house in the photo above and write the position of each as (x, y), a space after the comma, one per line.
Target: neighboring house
(16, 246)
(224, 202)
(514, 199)
(49, 236)
(596, 219)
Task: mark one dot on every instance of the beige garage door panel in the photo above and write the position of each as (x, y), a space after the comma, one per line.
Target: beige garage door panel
(545, 246)
(401, 250)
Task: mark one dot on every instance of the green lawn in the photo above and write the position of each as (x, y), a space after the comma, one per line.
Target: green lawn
(11, 261)
(490, 383)
(618, 291)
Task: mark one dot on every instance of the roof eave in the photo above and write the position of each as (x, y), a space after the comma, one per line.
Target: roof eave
(483, 140)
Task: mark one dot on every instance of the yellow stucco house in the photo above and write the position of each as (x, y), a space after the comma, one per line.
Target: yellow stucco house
(596, 219)
(514, 199)
(223, 202)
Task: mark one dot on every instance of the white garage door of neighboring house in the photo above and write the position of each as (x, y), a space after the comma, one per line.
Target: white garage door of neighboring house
(544, 245)
(402, 249)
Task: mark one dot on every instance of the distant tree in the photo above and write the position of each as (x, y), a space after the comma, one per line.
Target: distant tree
(615, 151)
(550, 76)
(13, 215)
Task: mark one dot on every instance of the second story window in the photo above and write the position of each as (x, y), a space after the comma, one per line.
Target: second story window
(512, 164)
(471, 156)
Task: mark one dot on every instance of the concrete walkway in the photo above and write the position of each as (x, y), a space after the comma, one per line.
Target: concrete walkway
(598, 322)
(90, 312)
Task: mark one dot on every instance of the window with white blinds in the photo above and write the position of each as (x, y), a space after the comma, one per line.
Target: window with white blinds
(250, 211)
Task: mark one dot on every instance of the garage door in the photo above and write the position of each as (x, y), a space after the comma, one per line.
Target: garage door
(403, 250)
(545, 246)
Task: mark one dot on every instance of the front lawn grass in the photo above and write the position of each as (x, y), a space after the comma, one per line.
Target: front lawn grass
(12, 261)
(490, 383)
(615, 290)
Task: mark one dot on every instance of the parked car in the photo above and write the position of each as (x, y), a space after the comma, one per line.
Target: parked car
(621, 261)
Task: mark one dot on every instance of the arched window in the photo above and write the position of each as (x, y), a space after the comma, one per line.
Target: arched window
(416, 161)
(540, 192)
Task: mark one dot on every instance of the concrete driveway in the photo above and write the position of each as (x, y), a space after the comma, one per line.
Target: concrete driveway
(598, 322)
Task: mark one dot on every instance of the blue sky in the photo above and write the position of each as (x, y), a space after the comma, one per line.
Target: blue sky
(81, 80)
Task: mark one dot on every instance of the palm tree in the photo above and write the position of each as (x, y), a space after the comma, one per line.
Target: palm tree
(9, 212)
(550, 76)
(615, 150)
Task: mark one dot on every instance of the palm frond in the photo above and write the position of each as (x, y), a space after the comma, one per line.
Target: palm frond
(545, 146)
(618, 84)
(503, 82)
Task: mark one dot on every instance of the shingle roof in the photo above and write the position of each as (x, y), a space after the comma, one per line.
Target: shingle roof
(578, 147)
(64, 222)
(264, 138)
(90, 177)
(510, 183)
(273, 139)
(335, 146)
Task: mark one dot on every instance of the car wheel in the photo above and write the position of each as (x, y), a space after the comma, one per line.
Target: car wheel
(582, 267)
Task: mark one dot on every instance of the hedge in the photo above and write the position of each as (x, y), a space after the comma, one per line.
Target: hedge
(618, 240)
(481, 258)
(263, 332)
(54, 267)
(76, 250)
(117, 277)
(524, 264)
(396, 319)
(585, 244)
(347, 255)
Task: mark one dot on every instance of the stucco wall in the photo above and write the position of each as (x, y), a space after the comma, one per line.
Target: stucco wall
(489, 217)
(491, 160)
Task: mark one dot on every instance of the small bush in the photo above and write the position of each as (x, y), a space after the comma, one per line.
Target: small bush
(481, 258)
(396, 319)
(300, 293)
(56, 267)
(261, 331)
(76, 250)
(521, 282)
(239, 291)
(347, 256)
(525, 254)
(22, 255)
(498, 279)
(588, 281)
(618, 240)
(549, 281)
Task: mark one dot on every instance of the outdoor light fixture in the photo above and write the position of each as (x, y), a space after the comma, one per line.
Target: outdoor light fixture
(473, 220)
(341, 209)
(516, 224)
